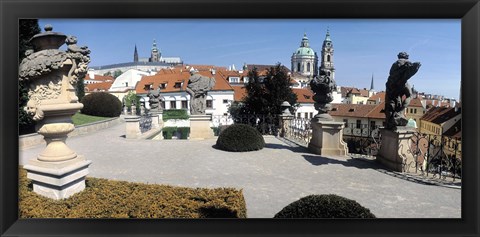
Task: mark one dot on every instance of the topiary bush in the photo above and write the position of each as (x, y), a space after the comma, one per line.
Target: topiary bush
(324, 206)
(101, 104)
(240, 137)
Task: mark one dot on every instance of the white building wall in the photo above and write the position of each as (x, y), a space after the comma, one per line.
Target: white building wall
(127, 80)
(305, 110)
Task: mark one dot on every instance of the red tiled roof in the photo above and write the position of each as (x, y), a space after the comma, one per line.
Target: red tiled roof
(101, 86)
(99, 78)
(304, 95)
(170, 77)
(380, 95)
(239, 92)
(455, 131)
(355, 110)
(439, 115)
(415, 102)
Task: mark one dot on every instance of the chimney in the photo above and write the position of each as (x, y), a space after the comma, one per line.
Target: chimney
(91, 73)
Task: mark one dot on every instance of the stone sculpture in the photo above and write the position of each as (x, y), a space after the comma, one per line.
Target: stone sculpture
(323, 87)
(398, 91)
(51, 75)
(154, 99)
(198, 87)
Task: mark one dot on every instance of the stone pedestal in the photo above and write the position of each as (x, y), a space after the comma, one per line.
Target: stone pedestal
(132, 130)
(394, 148)
(285, 120)
(58, 180)
(327, 138)
(157, 123)
(200, 127)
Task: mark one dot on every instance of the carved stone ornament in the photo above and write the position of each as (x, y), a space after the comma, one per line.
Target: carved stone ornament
(44, 68)
(323, 87)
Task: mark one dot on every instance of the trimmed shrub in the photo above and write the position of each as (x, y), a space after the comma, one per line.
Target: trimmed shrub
(168, 132)
(175, 114)
(324, 206)
(240, 137)
(101, 104)
(104, 198)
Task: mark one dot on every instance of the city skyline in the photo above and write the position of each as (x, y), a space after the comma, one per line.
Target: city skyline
(363, 48)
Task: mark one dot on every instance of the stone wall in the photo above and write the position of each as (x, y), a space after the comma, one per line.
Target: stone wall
(33, 139)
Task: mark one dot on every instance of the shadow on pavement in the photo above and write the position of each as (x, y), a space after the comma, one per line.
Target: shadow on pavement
(348, 162)
(282, 146)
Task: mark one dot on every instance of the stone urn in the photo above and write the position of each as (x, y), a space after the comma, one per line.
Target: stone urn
(51, 75)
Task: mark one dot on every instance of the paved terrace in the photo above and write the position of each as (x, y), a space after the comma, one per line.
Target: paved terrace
(271, 178)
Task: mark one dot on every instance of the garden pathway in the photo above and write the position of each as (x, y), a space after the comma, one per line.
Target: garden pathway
(270, 178)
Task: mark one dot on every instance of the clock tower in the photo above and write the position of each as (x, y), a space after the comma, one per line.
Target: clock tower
(327, 56)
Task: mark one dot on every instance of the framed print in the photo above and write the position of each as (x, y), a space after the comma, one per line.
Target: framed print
(222, 46)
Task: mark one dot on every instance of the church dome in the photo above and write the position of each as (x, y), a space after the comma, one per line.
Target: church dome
(303, 51)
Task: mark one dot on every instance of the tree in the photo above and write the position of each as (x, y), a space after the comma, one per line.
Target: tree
(27, 29)
(80, 88)
(117, 73)
(266, 94)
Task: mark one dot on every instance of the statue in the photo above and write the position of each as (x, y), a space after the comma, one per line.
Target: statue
(154, 99)
(323, 87)
(198, 87)
(398, 91)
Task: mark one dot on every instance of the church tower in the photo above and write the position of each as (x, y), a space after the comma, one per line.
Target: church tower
(327, 56)
(135, 54)
(155, 55)
(304, 59)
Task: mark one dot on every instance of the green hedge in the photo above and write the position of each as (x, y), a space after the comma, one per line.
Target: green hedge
(101, 104)
(118, 199)
(324, 206)
(168, 132)
(175, 114)
(239, 138)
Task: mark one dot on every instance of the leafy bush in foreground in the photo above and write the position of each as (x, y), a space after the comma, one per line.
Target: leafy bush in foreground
(240, 137)
(324, 206)
(101, 104)
(119, 199)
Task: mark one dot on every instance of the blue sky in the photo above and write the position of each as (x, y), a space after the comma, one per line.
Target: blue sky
(362, 47)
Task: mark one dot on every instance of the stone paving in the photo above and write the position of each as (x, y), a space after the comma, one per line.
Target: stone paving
(271, 178)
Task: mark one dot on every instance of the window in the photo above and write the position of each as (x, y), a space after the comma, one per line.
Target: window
(306, 115)
(308, 67)
(163, 85)
(346, 122)
(311, 114)
(328, 58)
(234, 79)
(359, 123)
(163, 104)
(178, 85)
(210, 104)
(184, 104)
(298, 67)
(372, 125)
(173, 104)
(225, 101)
(299, 115)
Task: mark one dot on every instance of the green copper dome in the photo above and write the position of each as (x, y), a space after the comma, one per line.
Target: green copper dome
(303, 51)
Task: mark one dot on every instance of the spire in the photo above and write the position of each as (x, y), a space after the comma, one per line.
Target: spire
(135, 54)
(305, 41)
(327, 37)
(154, 47)
(371, 84)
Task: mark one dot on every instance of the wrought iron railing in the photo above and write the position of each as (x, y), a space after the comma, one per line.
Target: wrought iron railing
(145, 123)
(440, 156)
(265, 124)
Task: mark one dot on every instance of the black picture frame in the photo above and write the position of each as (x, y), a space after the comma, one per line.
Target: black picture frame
(12, 10)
